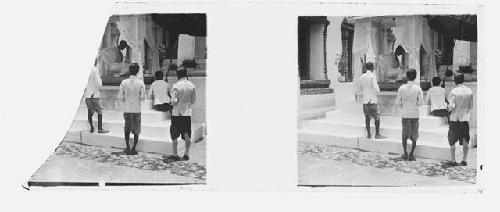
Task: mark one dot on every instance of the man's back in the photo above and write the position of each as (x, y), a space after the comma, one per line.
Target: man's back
(183, 96)
(410, 95)
(133, 91)
(159, 89)
(437, 98)
(367, 85)
(461, 102)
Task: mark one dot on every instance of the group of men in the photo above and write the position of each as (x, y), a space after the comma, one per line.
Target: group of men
(457, 107)
(177, 100)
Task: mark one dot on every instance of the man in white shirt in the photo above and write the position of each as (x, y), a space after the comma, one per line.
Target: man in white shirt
(460, 106)
(93, 101)
(160, 92)
(368, 87)
(183, 97)
(411, 96)
(436, 97)
(132, 92)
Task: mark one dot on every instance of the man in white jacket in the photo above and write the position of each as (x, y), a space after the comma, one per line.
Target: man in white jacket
(93, 101)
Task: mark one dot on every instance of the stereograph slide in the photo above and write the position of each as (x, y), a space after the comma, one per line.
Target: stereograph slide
(147, 86)
(372, 86)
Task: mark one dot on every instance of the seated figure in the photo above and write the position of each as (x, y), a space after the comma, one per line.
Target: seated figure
(111, 60)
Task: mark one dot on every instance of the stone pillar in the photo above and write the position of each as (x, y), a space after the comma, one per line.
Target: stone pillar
(316, 52)
(333, 48)
(325, 33)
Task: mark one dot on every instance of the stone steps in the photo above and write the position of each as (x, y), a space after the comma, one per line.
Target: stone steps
(432, 150)
(152, 138)
(425, 122)
(117, 104)
(436, 135)
(152, 116)
(159, 130)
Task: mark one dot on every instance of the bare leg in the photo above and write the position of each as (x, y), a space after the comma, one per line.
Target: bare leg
(188, 143)
(413, 145)
(452, 152)
(405, 144)
(174, 146)
(127, 137)
(367, 125)
(91, 122)
(136, 140)
(465, 149)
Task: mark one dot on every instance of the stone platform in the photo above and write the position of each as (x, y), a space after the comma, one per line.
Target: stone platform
(345, 127)
(154, 137)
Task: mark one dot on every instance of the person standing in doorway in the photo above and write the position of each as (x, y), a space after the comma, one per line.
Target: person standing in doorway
(93, 101)
(132, 91)
(368, 87)
(460, 106)
(183, 97)
(410, 95)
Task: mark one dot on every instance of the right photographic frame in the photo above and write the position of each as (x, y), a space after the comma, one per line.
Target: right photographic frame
(387, 100)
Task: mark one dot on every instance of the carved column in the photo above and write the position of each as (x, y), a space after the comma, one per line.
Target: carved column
(325, 33)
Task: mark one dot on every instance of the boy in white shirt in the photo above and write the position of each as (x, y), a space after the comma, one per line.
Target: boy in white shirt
(160, 91)
(436, 97)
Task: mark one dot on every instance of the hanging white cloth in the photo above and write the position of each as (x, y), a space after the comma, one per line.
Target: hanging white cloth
(461, 54)
(409, 33)
(150, 34)
(132, 30)
(361, 44)
(427, 44)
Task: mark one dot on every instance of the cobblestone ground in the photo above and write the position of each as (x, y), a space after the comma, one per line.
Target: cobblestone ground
(393, 162)
(144, 161)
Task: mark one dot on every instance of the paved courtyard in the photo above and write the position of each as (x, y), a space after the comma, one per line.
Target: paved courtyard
(76, 163)
(333, 165)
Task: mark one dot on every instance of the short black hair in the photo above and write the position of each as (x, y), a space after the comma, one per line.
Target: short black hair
(436, 81)
(123, 43)
(181, 72)
(133, 69)
(459, 78)
(369, 66)
(411, 74)
(159, 75)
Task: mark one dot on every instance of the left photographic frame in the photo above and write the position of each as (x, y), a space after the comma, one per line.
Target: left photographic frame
(141, 119)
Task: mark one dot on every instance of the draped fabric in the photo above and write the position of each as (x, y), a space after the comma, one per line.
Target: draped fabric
(427, 44)
(361, 44)
(413, 32)
(410, 36)
(150, 35)
(131, 30)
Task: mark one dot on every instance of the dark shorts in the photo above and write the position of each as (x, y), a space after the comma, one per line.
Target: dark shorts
(410, 128)
(132, 122)
(440, 112)
(371, 110)
(459, 131)
(180, 126)
(163, 107)
(93, 105)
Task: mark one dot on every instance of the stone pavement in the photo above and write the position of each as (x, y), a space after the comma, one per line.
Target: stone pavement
(333, 165)
(74, 162)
